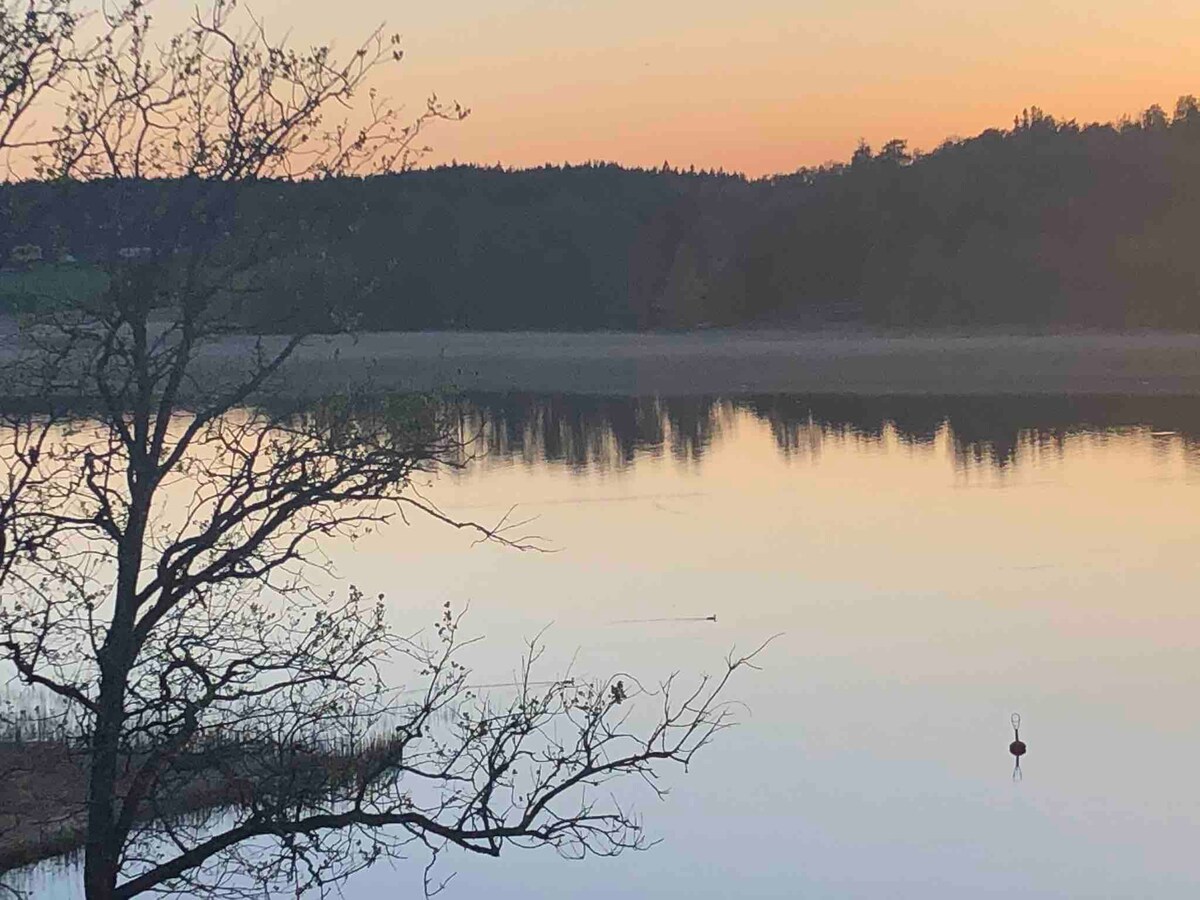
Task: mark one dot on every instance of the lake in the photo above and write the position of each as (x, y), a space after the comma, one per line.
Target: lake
(929, 567)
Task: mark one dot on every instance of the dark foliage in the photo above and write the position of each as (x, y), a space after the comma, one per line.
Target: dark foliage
(1048, 224)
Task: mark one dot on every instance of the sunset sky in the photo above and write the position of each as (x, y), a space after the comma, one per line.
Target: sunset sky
(758, 86)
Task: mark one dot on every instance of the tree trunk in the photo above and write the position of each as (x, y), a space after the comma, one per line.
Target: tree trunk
(102, 853)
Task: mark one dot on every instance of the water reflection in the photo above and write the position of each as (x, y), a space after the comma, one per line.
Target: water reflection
(915, 616)
(589, 432)
(601, 433)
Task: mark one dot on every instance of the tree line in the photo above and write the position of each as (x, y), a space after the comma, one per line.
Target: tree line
(1048, 223)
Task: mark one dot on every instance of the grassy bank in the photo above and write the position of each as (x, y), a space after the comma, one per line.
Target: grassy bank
(48, 286)
(43, 784)
(41, 792)
(740, 363)
(721, 363)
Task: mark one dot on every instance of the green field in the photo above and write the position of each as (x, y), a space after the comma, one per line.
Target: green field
(49, 286)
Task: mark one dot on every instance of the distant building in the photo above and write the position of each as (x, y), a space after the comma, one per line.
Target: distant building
(134, 252)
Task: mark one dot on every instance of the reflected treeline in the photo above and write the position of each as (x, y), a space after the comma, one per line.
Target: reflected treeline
(589, 433)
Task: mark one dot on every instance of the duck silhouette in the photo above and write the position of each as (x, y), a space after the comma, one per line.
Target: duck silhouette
(1017, 748)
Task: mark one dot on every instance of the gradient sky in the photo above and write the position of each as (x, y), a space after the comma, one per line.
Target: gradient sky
(758, 85)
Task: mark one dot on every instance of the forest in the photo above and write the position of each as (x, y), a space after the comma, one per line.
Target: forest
(1048, 223)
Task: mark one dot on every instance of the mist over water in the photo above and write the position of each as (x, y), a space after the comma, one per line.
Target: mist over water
(930, 567)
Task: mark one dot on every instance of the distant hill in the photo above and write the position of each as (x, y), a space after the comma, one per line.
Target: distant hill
(1048, 223)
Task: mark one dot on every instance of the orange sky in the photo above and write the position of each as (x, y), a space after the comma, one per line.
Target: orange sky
(758, 85)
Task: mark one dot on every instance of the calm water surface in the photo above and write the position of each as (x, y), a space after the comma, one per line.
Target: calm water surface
(930, 568)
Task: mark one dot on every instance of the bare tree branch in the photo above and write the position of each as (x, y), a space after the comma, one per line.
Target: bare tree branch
(161, 523)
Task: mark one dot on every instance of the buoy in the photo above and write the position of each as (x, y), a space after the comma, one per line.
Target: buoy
(1017, 748)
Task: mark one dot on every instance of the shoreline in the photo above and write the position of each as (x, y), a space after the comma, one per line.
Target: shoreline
(724, 363)
(43, 786)
(738, 363)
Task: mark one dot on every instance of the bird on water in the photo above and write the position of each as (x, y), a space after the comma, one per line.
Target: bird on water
(1017, 747)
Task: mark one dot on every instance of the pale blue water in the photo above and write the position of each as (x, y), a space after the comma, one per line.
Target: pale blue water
(924, 587)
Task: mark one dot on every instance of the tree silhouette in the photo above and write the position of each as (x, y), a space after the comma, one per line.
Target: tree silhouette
(162, 518)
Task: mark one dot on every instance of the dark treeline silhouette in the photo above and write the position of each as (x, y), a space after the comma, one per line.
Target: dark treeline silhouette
(1048, 223)
(590, 433)
(452, 247)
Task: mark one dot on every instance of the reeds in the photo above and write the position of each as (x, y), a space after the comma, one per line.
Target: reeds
(44, 775)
